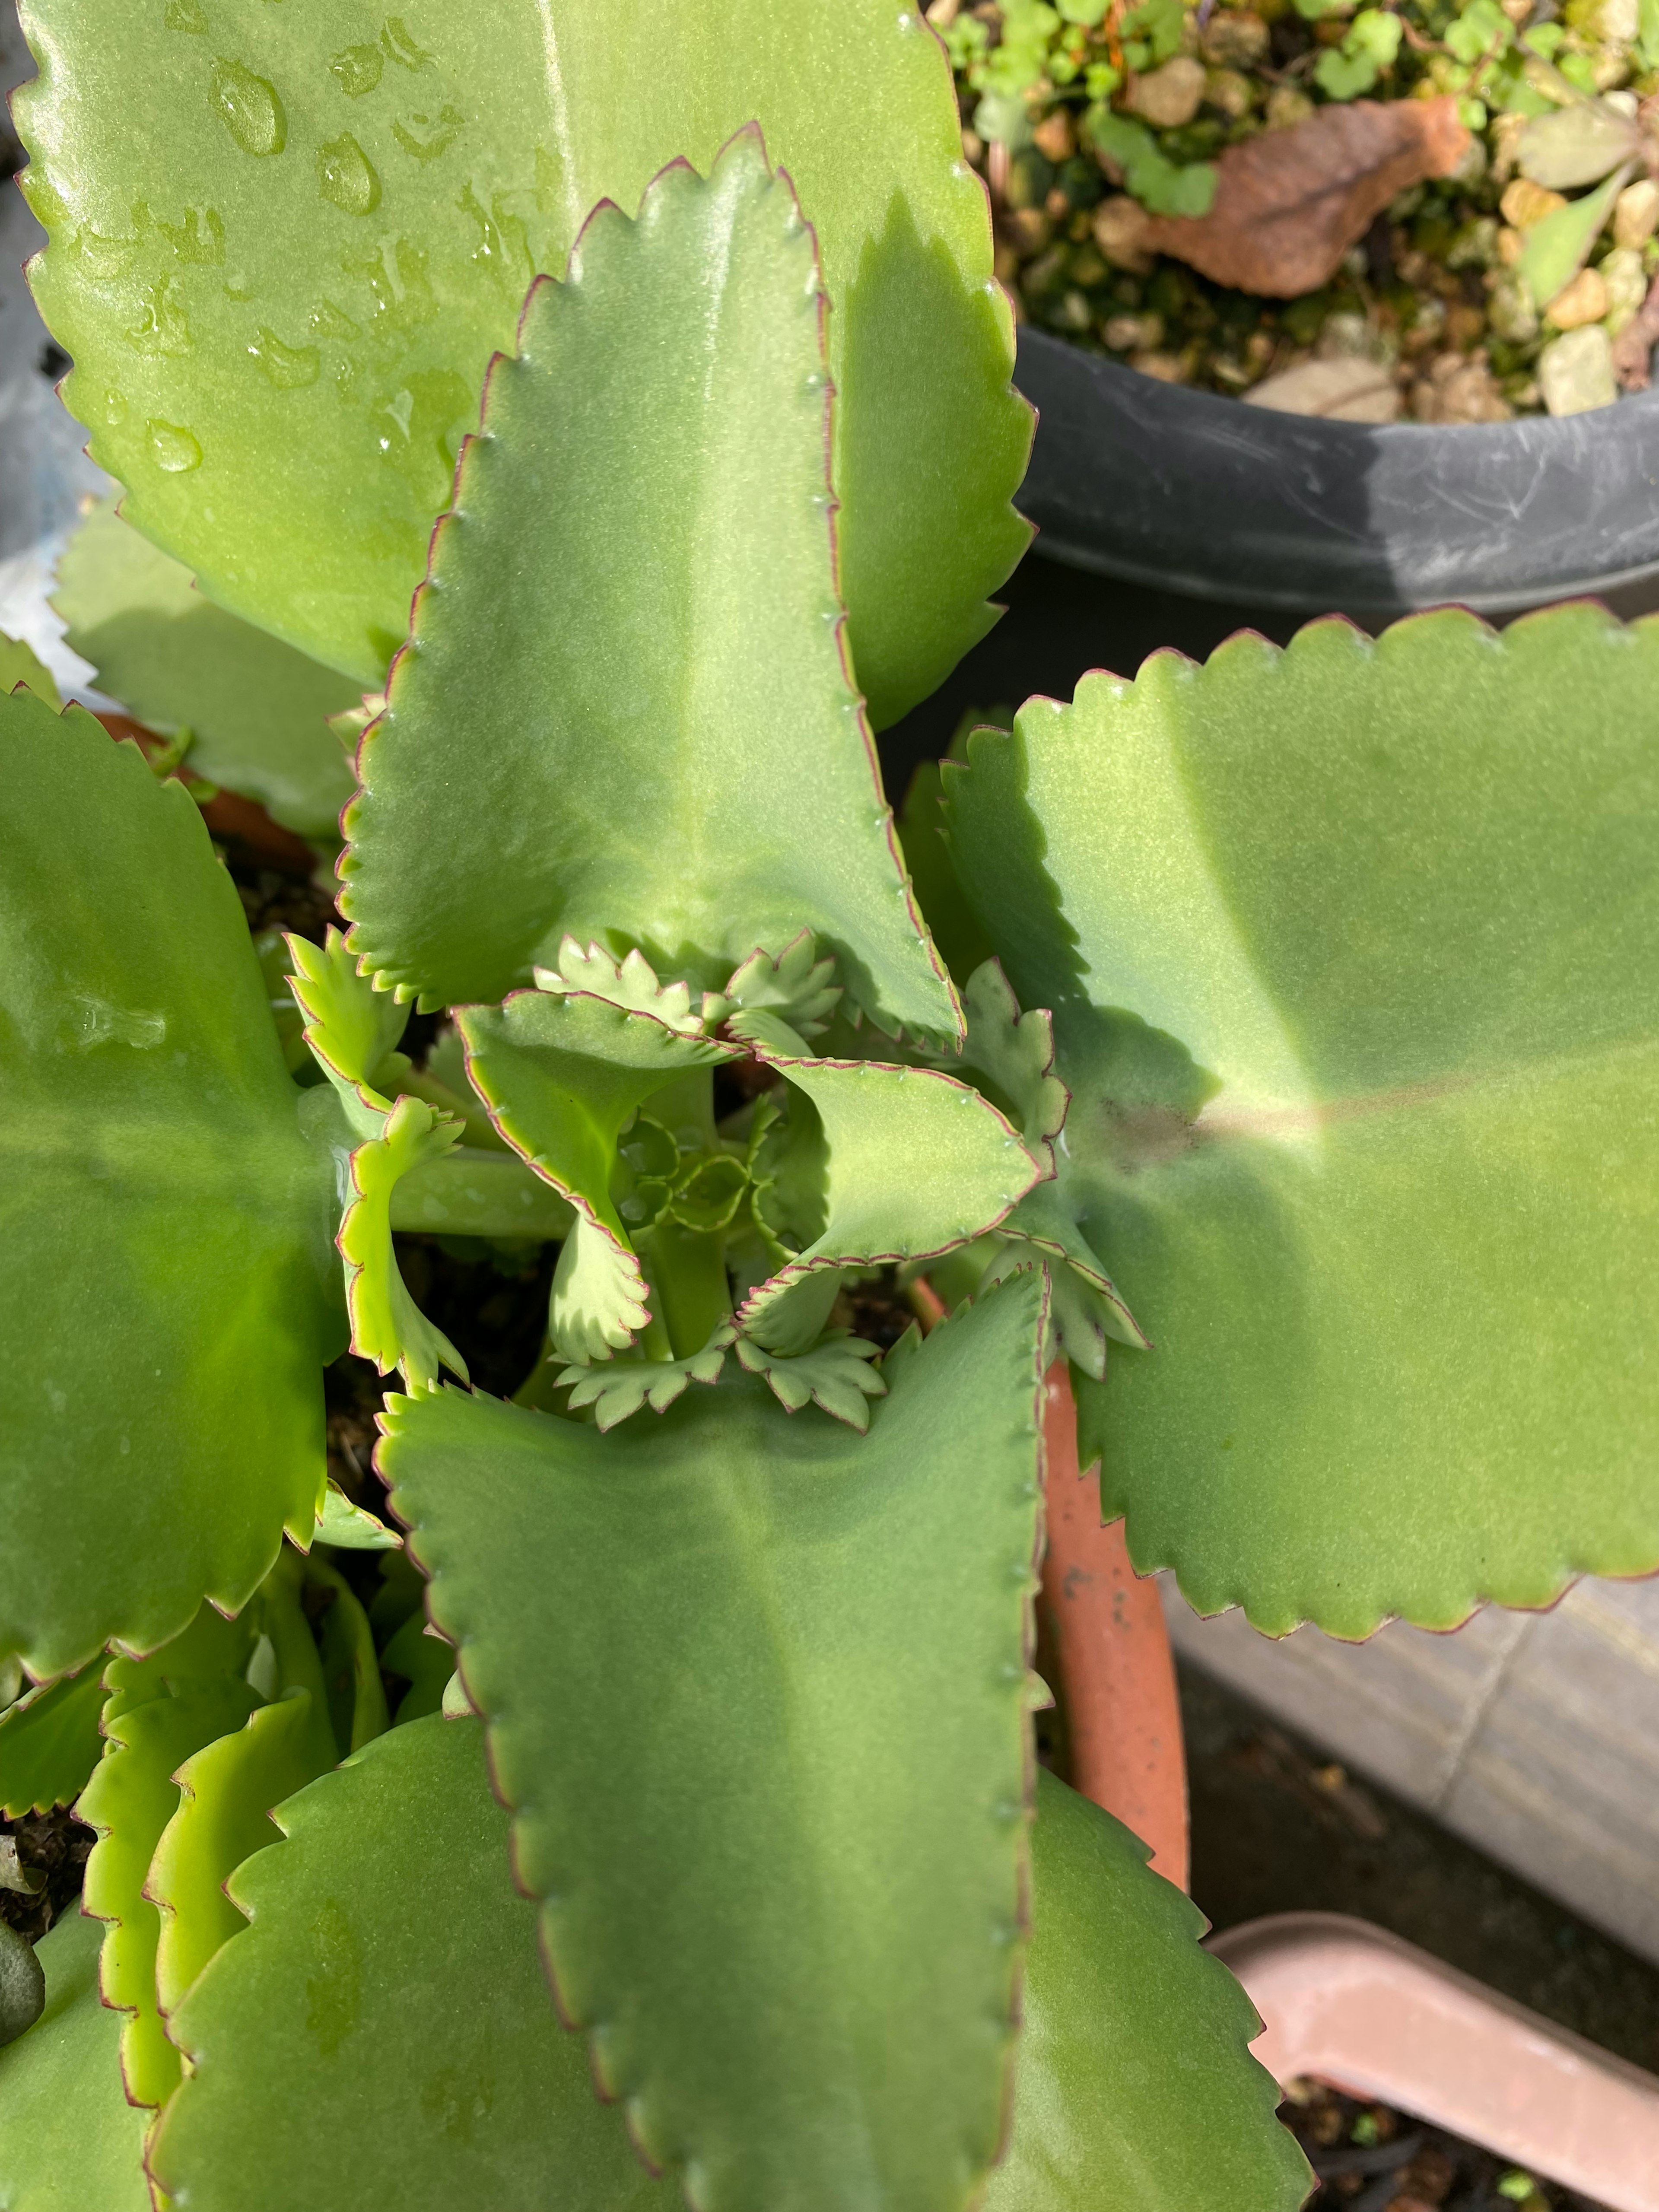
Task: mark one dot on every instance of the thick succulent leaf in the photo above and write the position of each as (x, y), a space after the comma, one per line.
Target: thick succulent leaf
(625, 693)
(950, 918)
(349, 1527)
(20, 664)
(386, 1325)
(388, 1945)
(631, 982)
(1557, 246)
(917, 1162)
(350, 1027)
(129, 1800)
(621, 1387)
(70, 2141)
(210, 1650)
(49, 1744)
(470, 1192)
(833, 1375)
(1133, 2084)
(1088, 1308)
(1014, 1052)
(425, 1660)
(797, 986)
(773, 1805)
(166, 1292)
(1351, 953)
(225, 1792)
(562, 1075)
(284, 244)
(257, 711)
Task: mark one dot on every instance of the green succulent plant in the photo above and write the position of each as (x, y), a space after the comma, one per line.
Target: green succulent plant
(1273, 1042)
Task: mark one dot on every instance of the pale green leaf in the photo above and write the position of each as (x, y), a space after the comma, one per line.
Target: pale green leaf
(256, 711)
(620, 1389)
(387, 1948)
(833, 1374)
(49, 1744)
(226, 1792)
(129, 1800)
(282, 301)
(625, 692)
(386, 1325)
(631, 982)
(917, 1162)
(350, 1026)
(773, 1803)
(72, 2143)
(1133, 2085)
(1557, 246)
(469, 1192)
(1352, 955)
(796, 985)
(563, 1074)
(349, 1527)
(1575, 145)
(168, 1292)
(19, 664)
(1015, 1054)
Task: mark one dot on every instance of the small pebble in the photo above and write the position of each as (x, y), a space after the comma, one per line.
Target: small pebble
(1626, 282)
(1524, 203)
(1583, 300)
(1454, 389)
(1342, 390)
(1636, 213)
(1574, 372)
(1168, 97)
(1121, 227)
(1235, 38)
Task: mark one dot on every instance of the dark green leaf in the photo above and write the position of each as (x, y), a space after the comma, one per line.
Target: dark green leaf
(49, 1744)
(771, 1804)
(1352, 955)
(625, 697)
(70, 2142)
(283, 252)
(168, 1279)
(1133, 2085)
(257, 711)
(387, 1948)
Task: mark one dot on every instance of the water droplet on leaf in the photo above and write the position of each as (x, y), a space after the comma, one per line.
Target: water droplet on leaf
(357, 70)
(289, 368)
(400, 46)
(250, 110)
(161, 332)
(431, 137)
(115, 407)
(186, 15)
(346, 176)
(174, 448)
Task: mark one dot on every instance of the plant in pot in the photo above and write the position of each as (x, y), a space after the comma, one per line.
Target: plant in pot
(1284, 1025)
(1431, 213)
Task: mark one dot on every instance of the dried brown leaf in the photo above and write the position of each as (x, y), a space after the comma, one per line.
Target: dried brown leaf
(1289, 204)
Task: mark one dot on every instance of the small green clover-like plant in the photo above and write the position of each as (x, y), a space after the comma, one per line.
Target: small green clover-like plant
(1163, 186)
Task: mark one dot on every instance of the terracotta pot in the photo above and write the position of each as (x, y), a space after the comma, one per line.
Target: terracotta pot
(1102, 1629)
(1351, 2005)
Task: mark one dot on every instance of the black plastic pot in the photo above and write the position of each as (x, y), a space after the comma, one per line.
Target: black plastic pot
(1190, 494)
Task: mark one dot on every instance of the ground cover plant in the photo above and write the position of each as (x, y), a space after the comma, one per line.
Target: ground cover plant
(1440, 210)
(1272, 1042)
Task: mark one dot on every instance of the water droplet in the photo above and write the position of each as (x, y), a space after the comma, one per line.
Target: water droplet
(357, 70)
(289, 368)
(174, 448)
(115, 407)
(400, 46)
(161, 333)
(240, 285)
(186, 15)
(253, 113)
(94, 1021)
(106, 257)
(431, 137)
(199, 239)
(346, 176)
(332, 322)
